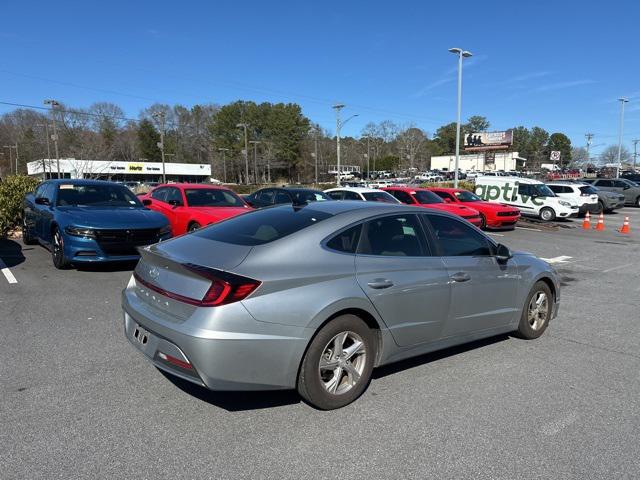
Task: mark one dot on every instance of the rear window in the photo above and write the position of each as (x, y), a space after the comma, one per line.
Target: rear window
(426, 197)
(379, 197)
(588, 189)
(262, 226)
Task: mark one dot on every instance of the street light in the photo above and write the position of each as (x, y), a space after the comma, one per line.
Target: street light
(461, 54)
(368, 155)
(622, 101)
(161, 116)
(224, 163)
(339, 124)
(255, 159)
(54, 104)
(246, 152)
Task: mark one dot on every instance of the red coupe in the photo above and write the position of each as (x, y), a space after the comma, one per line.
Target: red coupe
(191, 206)
(493, 215)
(423, 197)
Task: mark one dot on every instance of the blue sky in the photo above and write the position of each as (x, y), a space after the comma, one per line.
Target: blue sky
(560, 65)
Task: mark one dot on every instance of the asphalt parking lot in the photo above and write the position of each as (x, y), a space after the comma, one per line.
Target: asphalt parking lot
(78, 401)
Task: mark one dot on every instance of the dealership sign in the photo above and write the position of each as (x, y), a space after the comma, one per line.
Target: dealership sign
(488, 140)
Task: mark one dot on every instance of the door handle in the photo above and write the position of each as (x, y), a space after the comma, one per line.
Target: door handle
(379, 283)
(460, 277)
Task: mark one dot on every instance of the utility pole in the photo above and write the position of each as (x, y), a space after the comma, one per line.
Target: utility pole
(339, 124)
(9, 147)
(17, 155)
(316, 152)
(246, 152)
(635, 154)
(461, 54)
(255, 159)
(54, 104)
(224, 163)
(160, 116)
(589, 137)
(44, 164)
(622, 101)
(368, 156)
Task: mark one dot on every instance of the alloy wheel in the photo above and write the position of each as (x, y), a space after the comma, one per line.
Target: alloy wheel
(342, 362)
(538, 310)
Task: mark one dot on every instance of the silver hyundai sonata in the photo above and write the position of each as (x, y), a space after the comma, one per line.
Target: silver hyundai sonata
(314, 297)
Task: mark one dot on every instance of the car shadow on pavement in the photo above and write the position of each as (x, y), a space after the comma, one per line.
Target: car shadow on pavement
(236, 401)
(413, 362)
(11, 252)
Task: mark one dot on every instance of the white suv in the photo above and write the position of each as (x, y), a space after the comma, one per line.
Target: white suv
(583, 194)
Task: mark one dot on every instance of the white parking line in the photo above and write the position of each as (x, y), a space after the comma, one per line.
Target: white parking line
(527, 228)
(495, 234)
(7, 273)
(616, 268)
(560, 259)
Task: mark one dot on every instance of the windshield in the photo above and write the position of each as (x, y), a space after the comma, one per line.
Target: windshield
(379, 197)
(305, 196)
(212, 197)
(543, 191)
(262, 226)
(96, 195)
(466, 196)
(426, 197)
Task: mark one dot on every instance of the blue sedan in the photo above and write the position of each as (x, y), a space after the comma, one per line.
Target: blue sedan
(86, 221)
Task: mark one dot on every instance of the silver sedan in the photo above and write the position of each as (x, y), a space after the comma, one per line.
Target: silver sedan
(314, 297)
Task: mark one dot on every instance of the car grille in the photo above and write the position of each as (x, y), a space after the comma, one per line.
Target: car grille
(512, 213)
(124, 242)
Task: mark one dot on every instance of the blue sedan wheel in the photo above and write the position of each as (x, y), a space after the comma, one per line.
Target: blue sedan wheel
(57, 251)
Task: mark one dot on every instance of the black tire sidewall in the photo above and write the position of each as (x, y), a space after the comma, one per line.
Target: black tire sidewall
(309, 384)
(548, 209)
(61, 263)
(524, 329)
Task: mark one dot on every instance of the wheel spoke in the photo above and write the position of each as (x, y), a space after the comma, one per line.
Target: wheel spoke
(352, 374)
(333, 384)
(352, 350)
(338, 342)
(326, 364)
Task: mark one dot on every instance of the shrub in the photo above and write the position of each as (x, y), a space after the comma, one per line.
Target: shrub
(465, 185)
(12, 192)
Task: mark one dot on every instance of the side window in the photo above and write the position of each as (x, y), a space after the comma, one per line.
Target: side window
(397, 235)
(346, 241)
(50, 191)
(445, 196)
(351, 196)
(619, 184)
(404, 197)
(39, 193)
(335, 195)
(556, 188)
(456, 239)
(265, 196)
(173, 194)
(605, 183)
(160, 194)
(282, 197)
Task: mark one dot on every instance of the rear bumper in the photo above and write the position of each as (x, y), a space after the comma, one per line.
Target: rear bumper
(227, 347)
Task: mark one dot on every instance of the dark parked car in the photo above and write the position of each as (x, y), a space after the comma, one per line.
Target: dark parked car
(629, 189)
(266, 197)
(86, 221)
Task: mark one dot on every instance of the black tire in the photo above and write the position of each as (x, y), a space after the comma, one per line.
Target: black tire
(549, 213)
(638, 202)
(193, 226)
(483, 222)
(311, 386)
(527, 329)
(600, 209)
(57, 250)
(27, 238)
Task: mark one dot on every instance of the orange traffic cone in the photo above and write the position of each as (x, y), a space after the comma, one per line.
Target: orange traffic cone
(586, 223)
(625, 226)
(600, 224)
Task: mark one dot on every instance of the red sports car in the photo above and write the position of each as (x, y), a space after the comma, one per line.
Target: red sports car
(493, 215)
(423, 197)
(191, 206)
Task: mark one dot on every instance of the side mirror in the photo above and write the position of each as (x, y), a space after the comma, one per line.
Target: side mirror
(503, 254)
(146, 202)
(42, 201)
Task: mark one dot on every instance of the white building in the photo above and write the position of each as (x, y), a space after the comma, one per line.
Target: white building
(119, 170)
(479, 162)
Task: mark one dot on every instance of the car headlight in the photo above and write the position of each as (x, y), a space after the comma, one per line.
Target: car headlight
(565, 204)
(166, 230)
(80, 232)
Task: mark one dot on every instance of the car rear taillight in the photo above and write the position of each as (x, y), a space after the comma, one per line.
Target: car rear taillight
(225, 287)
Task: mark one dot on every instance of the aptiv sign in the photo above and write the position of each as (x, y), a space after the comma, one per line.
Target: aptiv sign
(506, 192)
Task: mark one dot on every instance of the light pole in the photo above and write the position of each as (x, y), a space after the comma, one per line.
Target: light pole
(339, 124)
(314, 129)
(368, 155)
(589, 137)
(160, 116)
(246, 152)
(44, 164)
(635, 154)
(622, 101)
(54, 104)
(461, 54)
(255, 159)
(224, 163)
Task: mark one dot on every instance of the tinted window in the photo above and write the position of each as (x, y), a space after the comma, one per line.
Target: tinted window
(335, 195)
(212, 197)
(556, 188)
(426, 197)
(444, 195)
(174, 195)
(346, 241)
(96, 195)
(458, 239)
(587, 189)
(621, 184)
(404, 197)
(305, 196)
(397, 235)
(262, 226)
(466, 196)
(265, 196)
(605, 183)
(351, 196)
(39, 193)
(282, 197)
(379, 197)
(160, 194)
